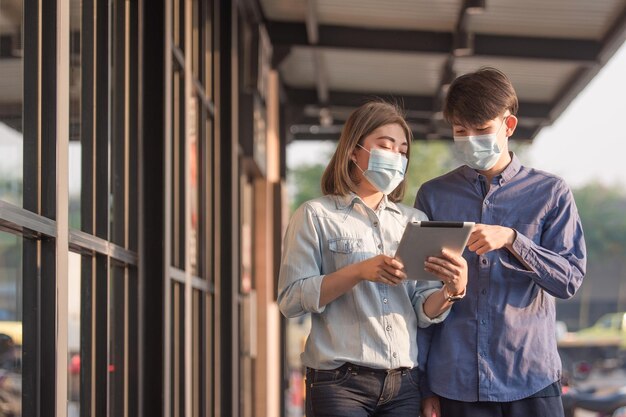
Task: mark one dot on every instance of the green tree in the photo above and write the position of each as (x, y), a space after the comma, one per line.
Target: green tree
(602, 211)
(305, 181)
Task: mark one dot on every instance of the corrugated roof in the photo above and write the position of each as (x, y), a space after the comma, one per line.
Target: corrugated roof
(409, 50)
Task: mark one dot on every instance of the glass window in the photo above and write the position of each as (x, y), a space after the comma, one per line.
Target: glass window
(195, 168)
(198, 356)
(73, 334)
(10, 324)
(75, 114)
(11, 102)
(178, 170)
(117, 339)
(177, 355)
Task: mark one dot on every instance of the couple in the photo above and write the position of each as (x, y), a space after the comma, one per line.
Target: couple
(491, 349)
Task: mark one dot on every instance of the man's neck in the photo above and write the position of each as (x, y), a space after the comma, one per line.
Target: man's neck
(498, 168)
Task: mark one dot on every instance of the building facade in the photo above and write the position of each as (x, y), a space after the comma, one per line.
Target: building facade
(141, 209)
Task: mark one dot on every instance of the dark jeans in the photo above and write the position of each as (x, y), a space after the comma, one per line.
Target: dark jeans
(527, 407)
(357, 391)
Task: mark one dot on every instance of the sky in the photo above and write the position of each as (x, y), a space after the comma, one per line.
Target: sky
(584, 145)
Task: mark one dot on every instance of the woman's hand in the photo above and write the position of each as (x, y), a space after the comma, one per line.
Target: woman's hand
(383, 269)
(450, 268)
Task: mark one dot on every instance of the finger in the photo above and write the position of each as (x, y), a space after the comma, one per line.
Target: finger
(396, 273)
(476, 244)
(483, 249)
(439, 271)
(394, 263)
(389, 279)
(454, 258)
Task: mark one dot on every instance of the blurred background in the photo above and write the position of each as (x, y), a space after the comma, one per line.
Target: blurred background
(151, 153)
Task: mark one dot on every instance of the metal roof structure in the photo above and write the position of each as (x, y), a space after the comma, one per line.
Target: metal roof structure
(332, 55)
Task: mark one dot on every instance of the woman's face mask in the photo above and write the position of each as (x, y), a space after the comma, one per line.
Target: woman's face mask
(385, 169)
(480, 152)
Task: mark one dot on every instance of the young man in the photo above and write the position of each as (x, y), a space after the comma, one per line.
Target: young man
(496, 354)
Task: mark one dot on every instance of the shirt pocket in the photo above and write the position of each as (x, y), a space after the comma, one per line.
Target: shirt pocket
(345, 251)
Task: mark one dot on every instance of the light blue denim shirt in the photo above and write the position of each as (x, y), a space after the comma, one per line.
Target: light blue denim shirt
(373, 324)
(499, 343)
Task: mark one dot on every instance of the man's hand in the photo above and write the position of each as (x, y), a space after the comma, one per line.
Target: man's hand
(430, 407)
(486, 237)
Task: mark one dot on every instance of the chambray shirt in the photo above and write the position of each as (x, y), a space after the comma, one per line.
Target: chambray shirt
(498, 343)
(372, 324)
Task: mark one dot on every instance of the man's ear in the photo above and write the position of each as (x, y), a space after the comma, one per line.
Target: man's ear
(511, 124)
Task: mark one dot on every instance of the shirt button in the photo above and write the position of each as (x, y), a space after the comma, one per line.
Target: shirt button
(484, 292)
(486, 202)
(375, 224)
(380, 246)
(385, 300)
(483, 321)
(388, 328)
(395, 355)
(484, 261)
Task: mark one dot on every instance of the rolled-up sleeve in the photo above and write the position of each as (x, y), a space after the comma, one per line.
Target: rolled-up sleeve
(423, 291)
(300, 277)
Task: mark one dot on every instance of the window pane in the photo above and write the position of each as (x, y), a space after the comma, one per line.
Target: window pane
(117, 339)
(195, 167)
(207, 78)
(198, 355)
(177, 355)
(10, 324)
(75, 115)
(206, 191)
(73, 335)
(11, 101)
(178, 170)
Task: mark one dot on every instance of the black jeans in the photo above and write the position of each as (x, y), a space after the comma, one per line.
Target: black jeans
(358, 391)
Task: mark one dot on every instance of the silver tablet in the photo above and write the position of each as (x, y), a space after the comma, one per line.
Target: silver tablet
(423, 239)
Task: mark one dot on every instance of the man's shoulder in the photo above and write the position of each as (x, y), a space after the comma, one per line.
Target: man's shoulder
(449, 177)
(538, 176)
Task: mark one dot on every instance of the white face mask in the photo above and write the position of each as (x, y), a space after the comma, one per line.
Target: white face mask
(480, 152)
(385, 169)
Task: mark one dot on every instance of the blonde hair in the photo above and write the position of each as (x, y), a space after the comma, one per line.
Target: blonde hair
(341, 175)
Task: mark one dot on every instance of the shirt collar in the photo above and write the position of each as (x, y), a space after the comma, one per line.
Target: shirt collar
(509, 172)
(343, 202)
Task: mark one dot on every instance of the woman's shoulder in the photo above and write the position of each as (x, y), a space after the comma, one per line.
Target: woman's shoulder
(317, 206)
(411, 213)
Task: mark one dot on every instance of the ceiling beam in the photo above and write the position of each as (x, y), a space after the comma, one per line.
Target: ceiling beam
(521, 133)
(295, 34)
(416, 103)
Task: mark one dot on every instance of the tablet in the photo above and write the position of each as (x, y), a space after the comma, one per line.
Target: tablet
(423, 239)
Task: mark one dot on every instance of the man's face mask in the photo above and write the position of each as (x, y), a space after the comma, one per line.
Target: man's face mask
(385, 169)
(480, 152)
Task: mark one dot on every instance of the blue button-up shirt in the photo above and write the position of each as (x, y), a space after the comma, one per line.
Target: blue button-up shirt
(498, 343)
(373, 324)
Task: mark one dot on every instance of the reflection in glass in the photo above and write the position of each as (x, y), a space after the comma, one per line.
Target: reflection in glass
(73, 335)
(194, 188)
(11, 101)
(117, 367)
(10, 325)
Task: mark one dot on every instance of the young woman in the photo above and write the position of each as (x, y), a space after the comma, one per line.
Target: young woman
(338, 265)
